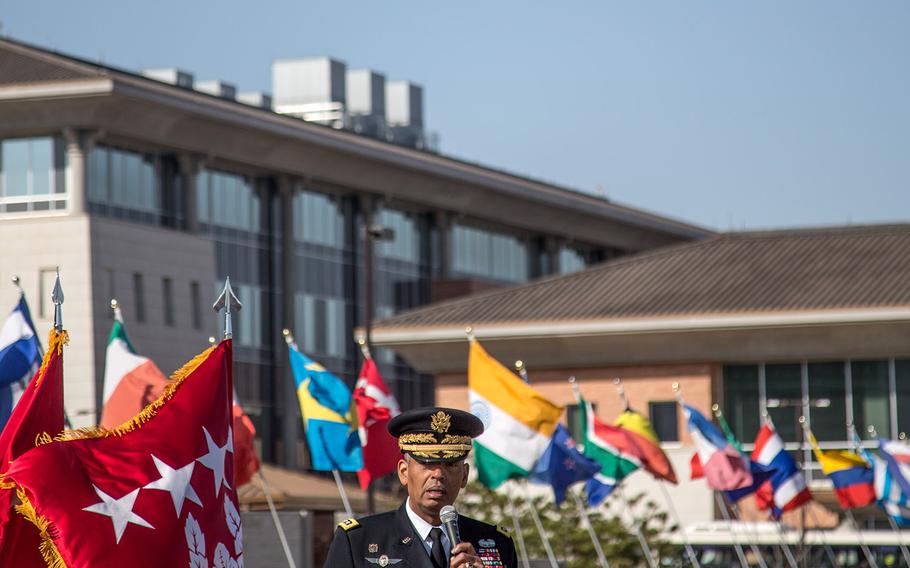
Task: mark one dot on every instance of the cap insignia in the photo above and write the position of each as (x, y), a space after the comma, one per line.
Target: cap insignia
(440, 422)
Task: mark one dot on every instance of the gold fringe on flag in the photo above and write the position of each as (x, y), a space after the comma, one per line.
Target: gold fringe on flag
(47, 548)
(147, 413)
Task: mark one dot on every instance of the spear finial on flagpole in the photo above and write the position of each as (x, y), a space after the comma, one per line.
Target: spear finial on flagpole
(228, 302)
(574, 382)
(617, 382)
(469, 331)
(115, 307)
(57, 298)
(364, 348)
(288, 337)
(16, 283)
(678, 393)
(521, 369)
(212, 340)
(871, 430)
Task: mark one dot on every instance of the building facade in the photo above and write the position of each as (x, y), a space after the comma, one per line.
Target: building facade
(783, 324)
(153, 193)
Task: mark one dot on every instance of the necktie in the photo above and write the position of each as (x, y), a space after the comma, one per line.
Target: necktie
(437, 552)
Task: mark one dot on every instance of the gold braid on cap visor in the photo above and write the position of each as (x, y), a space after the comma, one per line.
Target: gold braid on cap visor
(425, 445)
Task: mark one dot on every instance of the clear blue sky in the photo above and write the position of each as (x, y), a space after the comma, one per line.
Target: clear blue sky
(727, 114)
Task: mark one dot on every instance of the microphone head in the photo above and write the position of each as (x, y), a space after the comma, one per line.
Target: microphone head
(448, 514)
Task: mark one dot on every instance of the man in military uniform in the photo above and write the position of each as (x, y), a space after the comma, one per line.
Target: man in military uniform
(435, 443)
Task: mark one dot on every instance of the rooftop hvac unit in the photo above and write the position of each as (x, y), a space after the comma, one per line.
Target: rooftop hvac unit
(217, 88)
(256, 99)
(170, 75)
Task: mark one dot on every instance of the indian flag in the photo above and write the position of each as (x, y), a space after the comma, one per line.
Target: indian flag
(518, 422)
(131, 381)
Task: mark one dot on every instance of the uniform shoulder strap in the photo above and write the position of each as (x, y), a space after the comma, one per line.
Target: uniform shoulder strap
(348, 525)
(504, 531)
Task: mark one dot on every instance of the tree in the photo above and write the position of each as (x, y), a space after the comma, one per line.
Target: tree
(569, 538)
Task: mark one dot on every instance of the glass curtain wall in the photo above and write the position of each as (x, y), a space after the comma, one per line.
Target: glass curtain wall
(230, 209)
(401, 282)
(830, 394)
(486, 254)
(32, 175)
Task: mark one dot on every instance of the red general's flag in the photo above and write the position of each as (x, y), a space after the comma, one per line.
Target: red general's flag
(375, 407)
(39, 415)
(157, 491)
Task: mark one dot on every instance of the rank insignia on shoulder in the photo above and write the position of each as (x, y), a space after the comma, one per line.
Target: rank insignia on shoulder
(348, 524)
(504, 530)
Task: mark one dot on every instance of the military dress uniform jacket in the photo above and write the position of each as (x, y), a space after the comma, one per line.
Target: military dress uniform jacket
(389, 539)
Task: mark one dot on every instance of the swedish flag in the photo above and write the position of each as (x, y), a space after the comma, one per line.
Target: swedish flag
(329, 415)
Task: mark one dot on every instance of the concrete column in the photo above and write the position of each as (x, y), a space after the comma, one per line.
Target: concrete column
(551, 248)
(290, 426)
(442, 262)
(78, 145)
(190, 165)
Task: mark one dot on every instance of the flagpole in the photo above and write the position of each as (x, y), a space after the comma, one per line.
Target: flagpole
(849, 512)
(642, 541)
(543, 536)
(522, 551)
(343, 493)
(265, 486)
(371, 490)
(690, 552)
(805, 427)
(740, 553)
(897, 531)
(601, 558)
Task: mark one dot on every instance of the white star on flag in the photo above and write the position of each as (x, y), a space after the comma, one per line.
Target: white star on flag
(176, 482)
(214, 459)
(119, 510)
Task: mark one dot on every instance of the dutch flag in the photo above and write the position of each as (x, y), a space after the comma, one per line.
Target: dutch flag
(20, 357)
(786, 490)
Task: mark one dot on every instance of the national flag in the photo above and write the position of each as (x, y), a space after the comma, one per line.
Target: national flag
(38, 417)
(376, 405)
(157, 491)
(518, 421)
(246, 461)
(20, 356)
(786, 490)
(562, 465)
(851, 475)
(888, 491)
(131, 381)
(760, 473)
(722, 465)
(652, 457)
(612, 447)
(329, 415)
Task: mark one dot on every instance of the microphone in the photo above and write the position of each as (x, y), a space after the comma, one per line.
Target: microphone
(449, 518)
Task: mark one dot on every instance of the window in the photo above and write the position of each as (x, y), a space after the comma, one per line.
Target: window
(228, 200)
(168, 294)
(570, 260)
(318, 220)
(320, 325)
(741, 400)
(477, 252)
(139, 297)
(405, 244)
(783, 388)
(828, 401)
(196, 305)
(870, 396)
(664, 419)
(120, 182)
(32, 174)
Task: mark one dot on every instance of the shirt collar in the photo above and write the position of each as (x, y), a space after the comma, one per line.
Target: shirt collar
(422, 527)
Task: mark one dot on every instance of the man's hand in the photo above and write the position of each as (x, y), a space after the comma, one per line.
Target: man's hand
(463, 556)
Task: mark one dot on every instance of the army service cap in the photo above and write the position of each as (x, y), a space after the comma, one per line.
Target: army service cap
(435, 435)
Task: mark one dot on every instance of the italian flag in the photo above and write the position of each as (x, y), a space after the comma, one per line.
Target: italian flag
(131, 381)
(518, 421)
(612, 446)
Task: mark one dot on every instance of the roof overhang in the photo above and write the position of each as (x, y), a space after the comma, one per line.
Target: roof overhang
(768, 336)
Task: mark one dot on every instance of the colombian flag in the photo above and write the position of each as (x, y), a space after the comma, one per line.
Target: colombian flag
(329, 415)
(851, 475)
(647, 445)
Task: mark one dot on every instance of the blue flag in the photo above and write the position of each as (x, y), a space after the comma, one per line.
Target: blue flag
(598, 488)
(20, 357)
(760, 474)
(329, 415)
(563, 465)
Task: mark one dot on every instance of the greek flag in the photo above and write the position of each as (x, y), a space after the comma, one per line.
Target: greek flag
(20, 357)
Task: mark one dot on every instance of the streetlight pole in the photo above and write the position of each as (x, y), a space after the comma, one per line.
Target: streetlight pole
(370, 234)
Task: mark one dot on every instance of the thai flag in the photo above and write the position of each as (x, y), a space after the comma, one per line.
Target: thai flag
(20, 357)
(786, 490)
(720, 463)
